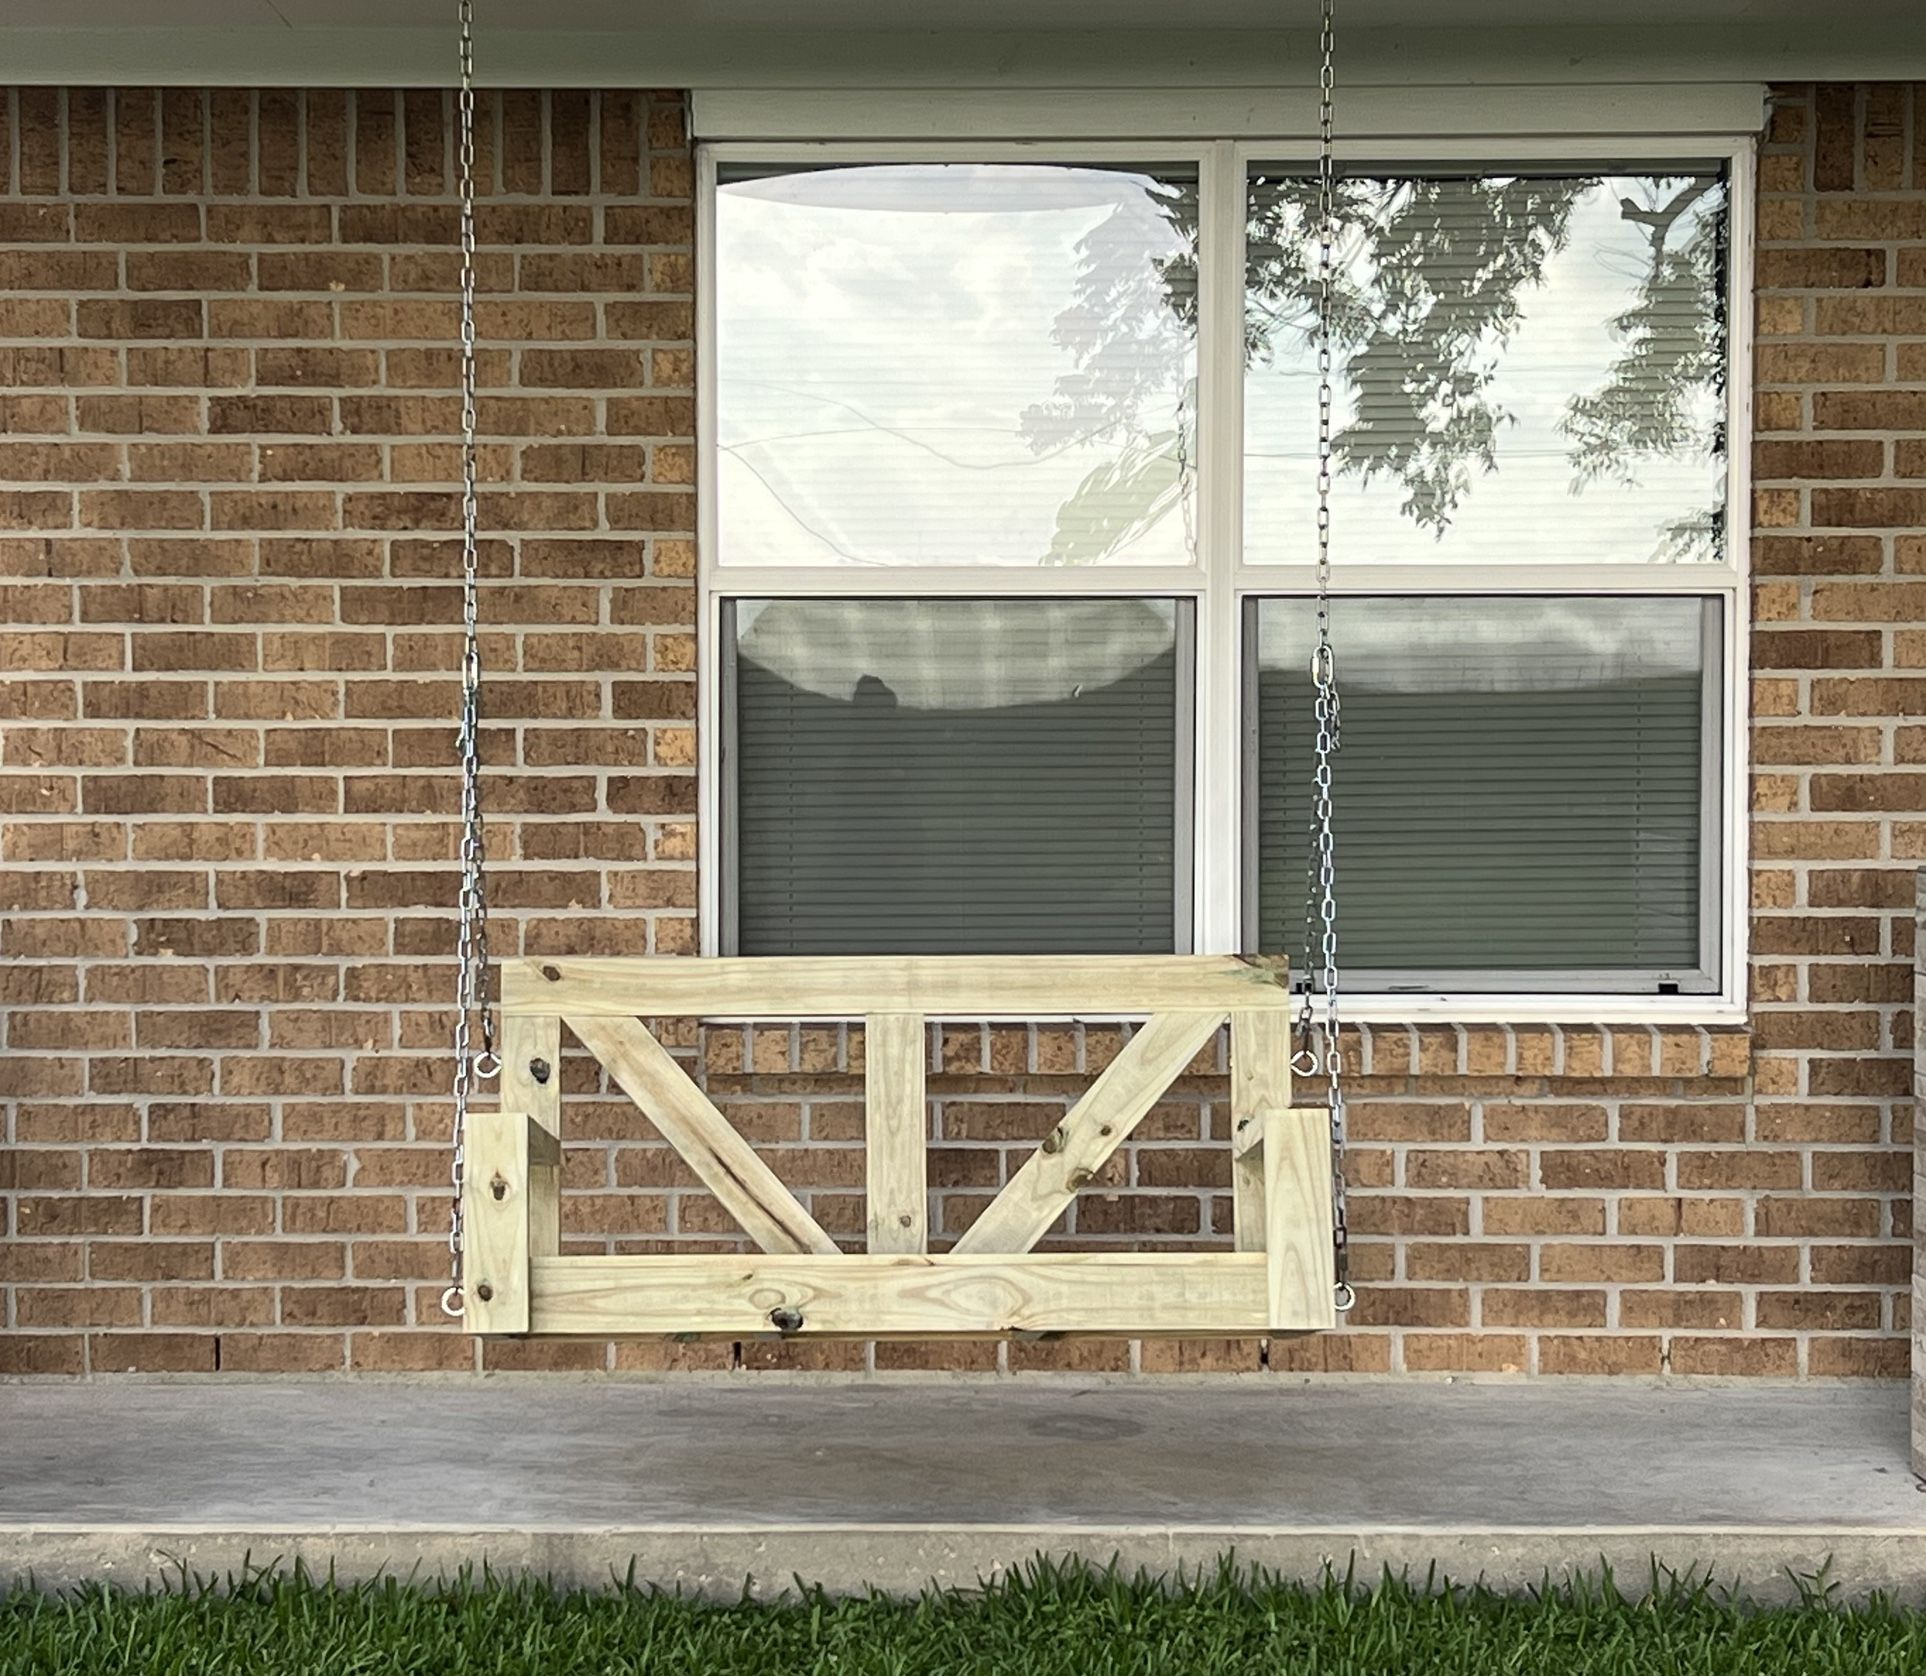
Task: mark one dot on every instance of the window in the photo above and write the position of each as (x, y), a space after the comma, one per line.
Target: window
(1525, 788)
(1534, 369)
(1009, 477)
(955, 364)
(959, 776)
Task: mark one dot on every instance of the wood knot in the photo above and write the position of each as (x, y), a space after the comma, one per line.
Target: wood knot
(1053, 1142)
(499, 1187)
(539, 1069)
(484, 1291)
(786, 1320)
(552, 973)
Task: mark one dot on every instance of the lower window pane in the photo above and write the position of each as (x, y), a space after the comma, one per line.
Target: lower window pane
(1521, 787)
(957, 776)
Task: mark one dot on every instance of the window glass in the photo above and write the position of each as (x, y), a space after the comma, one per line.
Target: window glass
(1530, 368)
(959, 776)
(1521, 787)
(956, 364)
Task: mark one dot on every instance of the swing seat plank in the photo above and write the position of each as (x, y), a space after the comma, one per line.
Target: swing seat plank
(1124, 1294)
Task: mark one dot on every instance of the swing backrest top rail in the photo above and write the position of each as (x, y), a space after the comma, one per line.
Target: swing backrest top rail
(936, 986)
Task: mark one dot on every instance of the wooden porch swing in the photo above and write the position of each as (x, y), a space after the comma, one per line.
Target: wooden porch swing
(1285, 1273)
(993, 1283)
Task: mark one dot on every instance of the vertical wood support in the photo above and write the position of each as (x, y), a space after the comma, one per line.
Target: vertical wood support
(1260, 1077)
(500, 1148)
(1300, 1268)
(1919, 1177)
(531, 1082)
(896, 1127)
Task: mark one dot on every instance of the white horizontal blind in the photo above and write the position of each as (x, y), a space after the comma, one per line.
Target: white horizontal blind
(1519, 788)
(1531, 368)
(958, 776)
(956, 364)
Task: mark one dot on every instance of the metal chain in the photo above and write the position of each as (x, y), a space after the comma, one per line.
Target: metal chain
(1320, 1043)
(472, 999)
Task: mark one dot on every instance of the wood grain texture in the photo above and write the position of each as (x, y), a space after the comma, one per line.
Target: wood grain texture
(530, 1046)
(499, 1148)
(1092, 1130)
(896, 1129)
(727, 1165)
(937, 986)
(1260, 1073)
(1126, 1294)
(1918, 1405)
(1299, 1264)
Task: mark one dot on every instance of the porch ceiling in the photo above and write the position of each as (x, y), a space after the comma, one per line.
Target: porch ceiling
(744, 43)
(974, 16)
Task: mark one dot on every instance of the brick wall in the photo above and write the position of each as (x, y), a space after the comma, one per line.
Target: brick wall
(225, 376)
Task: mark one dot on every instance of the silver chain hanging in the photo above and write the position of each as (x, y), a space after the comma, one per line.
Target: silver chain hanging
(472, 1000)
(1320, 1044)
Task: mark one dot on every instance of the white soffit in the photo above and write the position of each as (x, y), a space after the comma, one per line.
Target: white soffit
(1723, 110)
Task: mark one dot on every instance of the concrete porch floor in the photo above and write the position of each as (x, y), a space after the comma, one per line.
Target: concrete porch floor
(704, 1485)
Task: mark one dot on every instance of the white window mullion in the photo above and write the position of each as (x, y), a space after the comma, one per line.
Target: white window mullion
(1220, 449)
(710, 743)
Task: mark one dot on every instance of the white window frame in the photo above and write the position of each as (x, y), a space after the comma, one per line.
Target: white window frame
(1221, 582)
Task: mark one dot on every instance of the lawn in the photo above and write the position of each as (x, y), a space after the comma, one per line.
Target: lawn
(1046, 1622)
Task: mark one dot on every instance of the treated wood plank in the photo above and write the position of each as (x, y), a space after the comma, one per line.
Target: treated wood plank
(1123, 1294)
(1299, 1266)
(896, 1127)
(495, 1219)
(1092, 1130)
(1260, 1081)
(531, 1081)
(1918, 1403)
(1260, 1069)
(938, 986)
(727, 1165)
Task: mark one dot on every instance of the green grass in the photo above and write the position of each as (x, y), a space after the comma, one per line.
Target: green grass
(1049, 1621)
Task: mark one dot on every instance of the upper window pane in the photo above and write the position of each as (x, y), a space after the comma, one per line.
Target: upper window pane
(956, 364)
(1530, 368)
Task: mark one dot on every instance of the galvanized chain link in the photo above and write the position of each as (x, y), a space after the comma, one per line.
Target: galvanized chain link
(1320, 1043)
(472, 1000)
